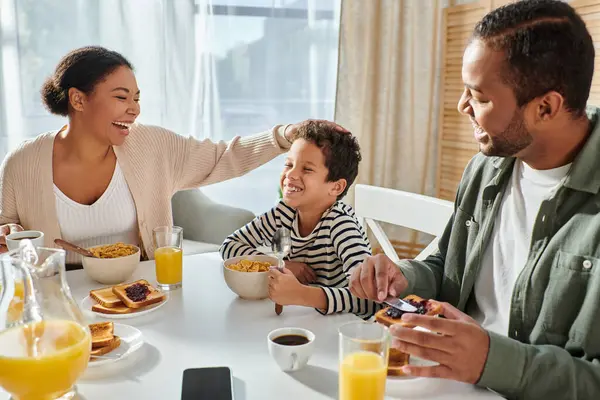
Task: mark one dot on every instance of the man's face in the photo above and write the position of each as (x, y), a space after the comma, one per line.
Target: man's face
(499, 124)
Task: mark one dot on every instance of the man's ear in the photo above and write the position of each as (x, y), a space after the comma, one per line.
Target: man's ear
(549, 105)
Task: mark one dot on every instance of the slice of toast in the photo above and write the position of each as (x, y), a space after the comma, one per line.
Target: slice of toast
(389, 316)
(397, 359)
(106, 297)
(112, 310)
(112, 345)
(102, 334)
(152, 295)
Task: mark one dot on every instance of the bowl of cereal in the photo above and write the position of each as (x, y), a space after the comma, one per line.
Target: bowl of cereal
(113, 263)
(247, 277)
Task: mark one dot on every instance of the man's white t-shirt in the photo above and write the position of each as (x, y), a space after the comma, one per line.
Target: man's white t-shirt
(508, 247)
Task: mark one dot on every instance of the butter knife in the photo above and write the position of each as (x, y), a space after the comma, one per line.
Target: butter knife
(400, 304)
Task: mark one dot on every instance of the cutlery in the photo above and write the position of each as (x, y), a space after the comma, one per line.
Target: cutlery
(400, 304)
(282, 243)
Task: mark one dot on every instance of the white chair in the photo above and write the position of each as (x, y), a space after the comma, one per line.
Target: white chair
(410, 210)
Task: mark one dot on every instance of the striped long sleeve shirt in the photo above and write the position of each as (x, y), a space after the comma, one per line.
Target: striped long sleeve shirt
(337, 244)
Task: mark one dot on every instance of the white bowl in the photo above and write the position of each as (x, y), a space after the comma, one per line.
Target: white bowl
(248, 285)
(111, 271)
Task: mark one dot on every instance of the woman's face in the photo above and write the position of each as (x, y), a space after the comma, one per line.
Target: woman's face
(112, 107)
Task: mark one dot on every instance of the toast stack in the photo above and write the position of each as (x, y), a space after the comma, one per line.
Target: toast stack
(103, 338)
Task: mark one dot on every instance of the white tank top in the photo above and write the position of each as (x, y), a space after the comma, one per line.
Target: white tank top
(112, 218)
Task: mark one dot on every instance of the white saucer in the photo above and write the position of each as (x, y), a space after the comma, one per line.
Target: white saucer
(131, 341)
(87, 303)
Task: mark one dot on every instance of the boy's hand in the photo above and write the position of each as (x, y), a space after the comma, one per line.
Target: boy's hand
(284, 288)
(303, 272)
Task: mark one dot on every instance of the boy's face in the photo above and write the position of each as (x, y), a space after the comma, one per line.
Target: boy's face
(304, 178)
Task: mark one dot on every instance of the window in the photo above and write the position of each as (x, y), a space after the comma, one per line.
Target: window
(266, 63)
(210, 68)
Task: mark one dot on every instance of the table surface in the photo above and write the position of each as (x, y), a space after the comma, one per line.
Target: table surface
(204, 324)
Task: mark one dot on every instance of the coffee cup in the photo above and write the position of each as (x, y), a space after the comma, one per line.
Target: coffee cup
(291, 348)
(14, 239)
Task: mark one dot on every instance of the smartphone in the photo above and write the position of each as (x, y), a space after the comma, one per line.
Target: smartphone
(213, 383)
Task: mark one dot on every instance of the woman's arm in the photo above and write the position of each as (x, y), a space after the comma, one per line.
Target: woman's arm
(203, 162)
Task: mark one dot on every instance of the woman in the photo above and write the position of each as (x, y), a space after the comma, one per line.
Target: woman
(104, 178)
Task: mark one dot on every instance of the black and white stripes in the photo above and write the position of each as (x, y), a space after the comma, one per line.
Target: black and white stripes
(337, 244)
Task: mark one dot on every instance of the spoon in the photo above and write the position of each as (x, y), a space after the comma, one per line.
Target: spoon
(72, 247)
(282, 243)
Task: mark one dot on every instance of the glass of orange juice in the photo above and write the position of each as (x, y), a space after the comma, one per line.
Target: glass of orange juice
(363, 349)
(168, 256)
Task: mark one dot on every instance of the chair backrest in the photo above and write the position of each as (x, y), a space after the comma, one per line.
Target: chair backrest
(410, 210)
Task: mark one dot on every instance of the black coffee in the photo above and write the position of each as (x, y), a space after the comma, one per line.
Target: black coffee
(27, 237)
(291, 340)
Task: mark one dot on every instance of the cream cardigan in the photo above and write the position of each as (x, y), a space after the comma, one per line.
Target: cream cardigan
(156, 163)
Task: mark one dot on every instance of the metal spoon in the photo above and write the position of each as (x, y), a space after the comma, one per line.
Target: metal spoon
(282, 243)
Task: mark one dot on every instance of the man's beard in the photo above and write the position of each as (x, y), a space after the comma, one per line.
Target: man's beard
(509, 142)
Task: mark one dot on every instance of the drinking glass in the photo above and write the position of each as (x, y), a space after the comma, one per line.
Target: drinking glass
(363, 352)
(168, 256)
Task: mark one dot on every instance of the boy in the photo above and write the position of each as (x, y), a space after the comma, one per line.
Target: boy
(327, 239)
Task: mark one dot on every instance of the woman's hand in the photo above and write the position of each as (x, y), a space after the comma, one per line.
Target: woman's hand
(291, 131)
(6, 230)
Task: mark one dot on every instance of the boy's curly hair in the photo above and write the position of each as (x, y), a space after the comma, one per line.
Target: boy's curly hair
(341, 151)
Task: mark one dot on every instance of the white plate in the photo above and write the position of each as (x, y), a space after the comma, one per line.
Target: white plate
(408, 386)
(131, 341)
(87, 303)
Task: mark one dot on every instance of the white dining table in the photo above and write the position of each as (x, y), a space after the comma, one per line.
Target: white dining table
(205, 324)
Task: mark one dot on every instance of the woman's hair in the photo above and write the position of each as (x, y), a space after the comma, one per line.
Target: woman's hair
(82, 69)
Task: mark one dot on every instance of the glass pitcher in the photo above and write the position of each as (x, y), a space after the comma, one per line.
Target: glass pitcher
(44, 341)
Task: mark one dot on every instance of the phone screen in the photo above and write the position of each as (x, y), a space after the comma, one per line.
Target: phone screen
(212, 383)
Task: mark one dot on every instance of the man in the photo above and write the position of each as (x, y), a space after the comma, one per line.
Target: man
(519, 262)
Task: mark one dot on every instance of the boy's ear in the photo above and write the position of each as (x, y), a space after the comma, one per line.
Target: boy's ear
(338, 187)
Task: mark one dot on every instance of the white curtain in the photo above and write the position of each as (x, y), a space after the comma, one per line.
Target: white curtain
(210, 68)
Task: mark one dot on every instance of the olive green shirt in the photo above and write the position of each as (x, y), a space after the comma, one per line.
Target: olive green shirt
(552, 350)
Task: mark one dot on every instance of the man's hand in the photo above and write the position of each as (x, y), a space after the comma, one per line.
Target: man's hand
(284, 288)
(291, 131)
(6, 230)
(377, 278)
(303, 272)
(460, 345)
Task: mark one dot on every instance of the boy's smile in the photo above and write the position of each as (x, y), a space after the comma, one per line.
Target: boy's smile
(304, 177)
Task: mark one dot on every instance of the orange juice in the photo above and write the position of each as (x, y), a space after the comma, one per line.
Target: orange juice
(15, 309)
(169, 265)
(42, 361)
(362, 376)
